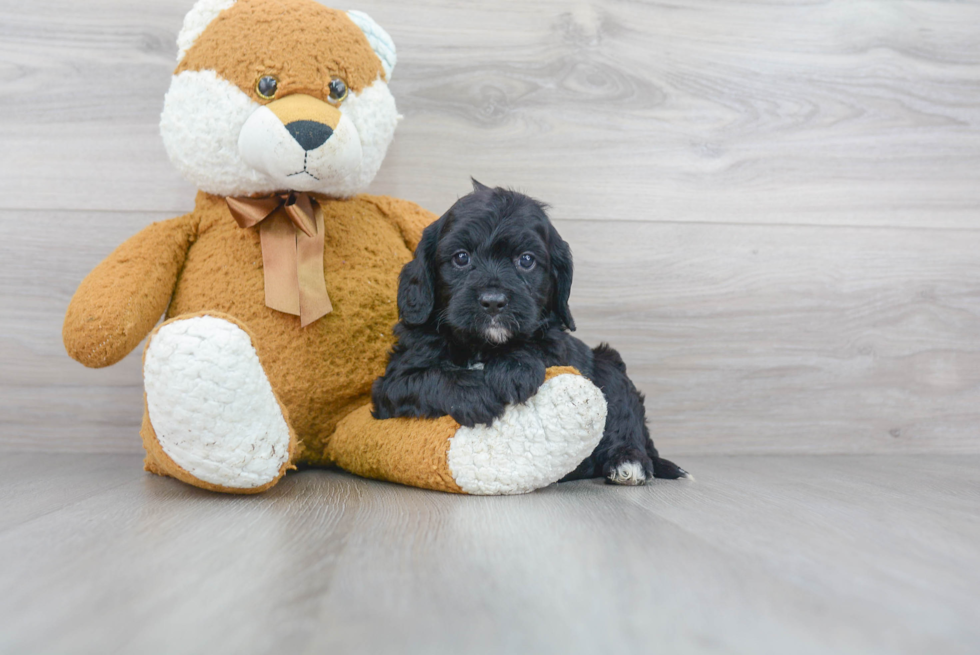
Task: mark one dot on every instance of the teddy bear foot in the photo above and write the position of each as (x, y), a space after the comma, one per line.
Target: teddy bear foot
(212, 417)
(534, 444)
(530, 446)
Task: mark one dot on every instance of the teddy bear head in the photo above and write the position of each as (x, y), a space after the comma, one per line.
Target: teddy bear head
(277, 95)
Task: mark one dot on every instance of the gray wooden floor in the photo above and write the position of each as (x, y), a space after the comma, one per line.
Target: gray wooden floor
(760, 554)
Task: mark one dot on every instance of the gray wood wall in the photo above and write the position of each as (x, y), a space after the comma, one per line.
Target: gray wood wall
(774, 206)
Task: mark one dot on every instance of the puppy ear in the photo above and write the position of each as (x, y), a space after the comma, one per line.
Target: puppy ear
(416, 283)
(561, 273)
(477, 186)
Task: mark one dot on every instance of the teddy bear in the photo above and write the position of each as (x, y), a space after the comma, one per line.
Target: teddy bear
(278, 291)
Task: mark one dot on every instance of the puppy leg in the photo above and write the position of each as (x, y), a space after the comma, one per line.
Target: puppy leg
(432, 393)
(626, 454)
(627, 466)
(515, 377)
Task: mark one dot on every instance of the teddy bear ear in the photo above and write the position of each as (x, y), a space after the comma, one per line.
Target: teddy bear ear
(196, 21)
(380, 41)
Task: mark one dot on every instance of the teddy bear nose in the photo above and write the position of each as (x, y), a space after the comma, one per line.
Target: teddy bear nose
(309, 134)
(492, 302)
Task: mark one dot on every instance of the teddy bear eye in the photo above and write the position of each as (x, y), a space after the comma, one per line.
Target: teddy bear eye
(461, 259)
(266, 87)
(526, 261)
(338, 90)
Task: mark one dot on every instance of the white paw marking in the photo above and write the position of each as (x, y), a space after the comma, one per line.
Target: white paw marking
(628, 473)
(211, 404)
(531, 445)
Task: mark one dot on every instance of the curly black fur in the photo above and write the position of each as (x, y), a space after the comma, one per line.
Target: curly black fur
(484, 311)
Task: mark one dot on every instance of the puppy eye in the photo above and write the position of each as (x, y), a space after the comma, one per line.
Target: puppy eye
(266, 87)
(338, 90)
(461, 259)
(526, 261)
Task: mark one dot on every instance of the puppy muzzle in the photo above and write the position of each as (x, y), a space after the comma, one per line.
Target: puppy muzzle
(497, 333)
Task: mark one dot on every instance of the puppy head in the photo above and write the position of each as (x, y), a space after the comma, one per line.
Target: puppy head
(275, 95)
(492, 268)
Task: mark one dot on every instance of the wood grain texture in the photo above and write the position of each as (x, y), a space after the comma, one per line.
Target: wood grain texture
(758, 555)
(790, 112)
(774, 206)
(744, 338)
(789, 338)
(48, 401)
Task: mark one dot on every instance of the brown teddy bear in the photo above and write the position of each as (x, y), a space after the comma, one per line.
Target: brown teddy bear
(279, 288)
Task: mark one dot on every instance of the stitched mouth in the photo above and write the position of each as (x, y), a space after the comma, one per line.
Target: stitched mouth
(306, 156)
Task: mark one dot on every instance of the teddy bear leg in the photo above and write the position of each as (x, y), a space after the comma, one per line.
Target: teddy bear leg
(212, 418)
(529, 447)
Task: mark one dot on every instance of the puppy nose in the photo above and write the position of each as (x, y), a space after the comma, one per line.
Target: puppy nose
(492, 302)
(309, 134)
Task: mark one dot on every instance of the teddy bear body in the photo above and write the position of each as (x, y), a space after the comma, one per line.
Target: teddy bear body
(325, 370)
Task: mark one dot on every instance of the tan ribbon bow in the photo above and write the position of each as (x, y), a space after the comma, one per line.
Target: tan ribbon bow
(291, 232)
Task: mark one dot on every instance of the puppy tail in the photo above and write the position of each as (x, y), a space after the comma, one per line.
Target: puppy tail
(666, 469)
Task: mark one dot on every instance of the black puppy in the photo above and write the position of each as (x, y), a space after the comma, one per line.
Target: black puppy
(484, 310)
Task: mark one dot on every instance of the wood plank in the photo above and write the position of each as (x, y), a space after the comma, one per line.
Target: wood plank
(749, 112)
(760, 555)
(36, 485)
(744, 338)
(789, 339)
(47, 401)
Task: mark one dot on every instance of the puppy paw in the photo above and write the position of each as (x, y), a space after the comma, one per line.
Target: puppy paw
(514, 379)
(629, 467)
(481, 411)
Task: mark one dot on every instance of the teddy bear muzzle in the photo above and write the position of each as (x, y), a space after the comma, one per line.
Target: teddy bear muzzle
(301, 142)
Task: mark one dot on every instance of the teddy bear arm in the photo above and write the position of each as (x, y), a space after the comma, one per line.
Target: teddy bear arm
(409, 218)
(120, 301)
